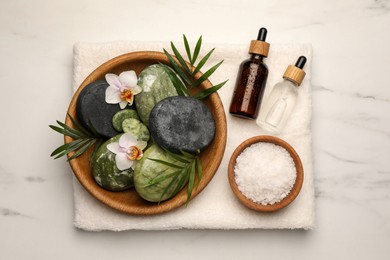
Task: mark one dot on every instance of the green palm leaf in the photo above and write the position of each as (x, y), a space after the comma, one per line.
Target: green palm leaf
(187, 46)
(181, 89)
(166, 163)
(83, 139)
(207, 74)
(177, 67)
(82, 149)
(196, 51)
(206, 92)
(202, 62)
(199, 170)
(180, 58)
(190, 181)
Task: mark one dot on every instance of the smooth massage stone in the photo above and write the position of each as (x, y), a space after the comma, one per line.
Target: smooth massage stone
(182, 123)
(120, 116)
(156, 85)
(147, 170)
(92, 109)
(136, 128)
(105, 172)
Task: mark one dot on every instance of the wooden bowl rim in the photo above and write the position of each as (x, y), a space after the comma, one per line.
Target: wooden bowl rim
(294, 190)
(173, 203)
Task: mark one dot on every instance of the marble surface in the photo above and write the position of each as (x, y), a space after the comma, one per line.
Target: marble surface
(351, 127)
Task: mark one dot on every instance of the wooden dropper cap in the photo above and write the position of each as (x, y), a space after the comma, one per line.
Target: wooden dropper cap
(260, 46)
(295, 73)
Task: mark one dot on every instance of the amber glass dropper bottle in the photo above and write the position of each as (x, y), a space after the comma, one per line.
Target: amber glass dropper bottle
(251, 80)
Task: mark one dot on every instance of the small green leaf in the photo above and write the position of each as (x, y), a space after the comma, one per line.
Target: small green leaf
(177, 67)
(206, 74)
(190, 182)
(187, 46)
(184, 175)
(159, 178)
(180, 58)
(199, 170)
(72, 148)
(83, 139)
(207, 92)
(188, 155)
(68, 147)
(64, 132)
(202, 62)
(166, 163)
(82, 149)
(197, 50)
(97, 146)
(177, 157)
(177, 83)
(79, 126)
(169, 186)
(71, 130)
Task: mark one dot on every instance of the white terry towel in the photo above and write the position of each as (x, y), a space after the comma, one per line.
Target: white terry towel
(215, 207)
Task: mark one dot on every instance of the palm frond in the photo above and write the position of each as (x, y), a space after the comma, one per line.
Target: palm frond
(82, 139)
(186, 171)
(183, 77)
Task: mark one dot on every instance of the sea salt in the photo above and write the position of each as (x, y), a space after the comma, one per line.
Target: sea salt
(265, 173)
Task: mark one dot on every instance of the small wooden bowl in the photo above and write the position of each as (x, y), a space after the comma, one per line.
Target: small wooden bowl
(293, 192)
(129, 201)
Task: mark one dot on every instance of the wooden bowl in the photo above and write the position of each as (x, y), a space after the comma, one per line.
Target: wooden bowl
(129, 201)
(294, 190)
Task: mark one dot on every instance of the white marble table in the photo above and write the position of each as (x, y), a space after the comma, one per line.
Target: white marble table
(351, 124)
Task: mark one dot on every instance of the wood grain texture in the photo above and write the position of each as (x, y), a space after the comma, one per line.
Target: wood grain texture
(295, 189)
(129, 201)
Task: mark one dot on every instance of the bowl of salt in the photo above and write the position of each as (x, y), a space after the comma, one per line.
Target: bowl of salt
(265, 173)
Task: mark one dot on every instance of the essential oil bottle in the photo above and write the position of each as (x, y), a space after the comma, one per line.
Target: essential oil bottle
(281, 101)
(251, 80)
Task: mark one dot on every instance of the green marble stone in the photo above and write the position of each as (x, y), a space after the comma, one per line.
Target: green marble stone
(105, 172)
(136, 128)
(156, 86)
(148, 170)
(120, 116)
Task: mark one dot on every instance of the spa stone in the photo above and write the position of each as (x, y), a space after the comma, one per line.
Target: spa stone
(136, 128)
(119, 117)
(181, 123)
(91, 108)
(105, 172)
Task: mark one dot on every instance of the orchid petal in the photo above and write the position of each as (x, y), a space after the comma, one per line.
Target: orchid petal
(113, 95)
(122, 162)
(135, 89)
(141, 144)
(130, 100)
(123, 104)
(128, 78)
(127, 140)
(113, 79)
(115, 148)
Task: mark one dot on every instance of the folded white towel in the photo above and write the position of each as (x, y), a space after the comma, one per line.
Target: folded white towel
(216, 207)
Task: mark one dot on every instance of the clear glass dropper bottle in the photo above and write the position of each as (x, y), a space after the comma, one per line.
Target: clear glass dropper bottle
(251, 80)
(281, 101)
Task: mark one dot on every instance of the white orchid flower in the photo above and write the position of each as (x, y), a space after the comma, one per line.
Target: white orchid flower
(127, 151)
(122, 88)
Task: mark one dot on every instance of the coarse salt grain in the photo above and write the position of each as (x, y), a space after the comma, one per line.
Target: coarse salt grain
(265, 173)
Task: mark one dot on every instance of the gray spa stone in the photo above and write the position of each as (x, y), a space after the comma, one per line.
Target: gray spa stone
(181, 123)
(91, 108)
